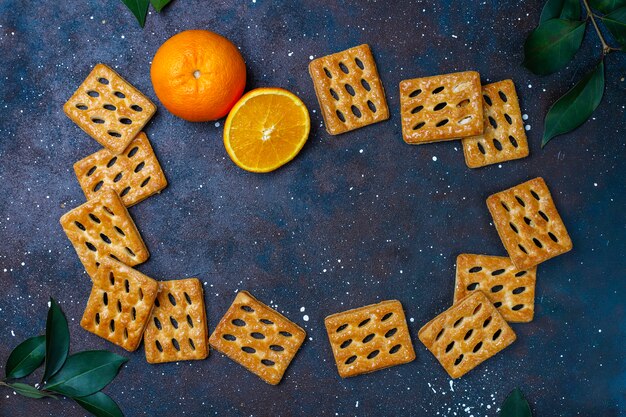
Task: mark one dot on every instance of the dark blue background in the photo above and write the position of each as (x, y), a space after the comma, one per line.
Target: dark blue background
(353, 220)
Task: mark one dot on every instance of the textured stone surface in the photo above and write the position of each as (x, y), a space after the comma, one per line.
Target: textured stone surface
(353, 220)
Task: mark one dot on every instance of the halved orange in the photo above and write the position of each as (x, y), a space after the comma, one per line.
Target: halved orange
(266, 129)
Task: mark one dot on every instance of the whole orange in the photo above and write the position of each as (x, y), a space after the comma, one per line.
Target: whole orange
(198, 75)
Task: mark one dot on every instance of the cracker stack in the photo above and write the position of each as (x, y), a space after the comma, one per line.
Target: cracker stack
(446, 107)
(491, 290)
(123, 301)
(455, 106)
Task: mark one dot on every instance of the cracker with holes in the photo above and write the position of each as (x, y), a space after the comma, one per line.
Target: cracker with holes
(349, 90)
(109, 109)
(135, 174)
(369, 338)
(102, 228)
(467, 334)
(528, 223)
(177, 330)
(510, 289)
(442, 107)
(504, 137)
(120, 304)
(258, 338)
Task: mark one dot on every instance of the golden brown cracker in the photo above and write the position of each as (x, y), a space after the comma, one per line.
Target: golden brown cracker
(369, 338)
(528, 223)
(134, 174)
(109, 109)
(120, 304)
(442, 107)
(349, 90)
(177, 330)
(510, 289)
(258, 338)
(103, 228)
(504, 137)
(465, 335)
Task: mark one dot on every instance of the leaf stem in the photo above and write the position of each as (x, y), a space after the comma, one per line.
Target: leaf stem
(605, 47)
(43, 391)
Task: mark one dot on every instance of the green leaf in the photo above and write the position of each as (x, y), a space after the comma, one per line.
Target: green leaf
(564, 9)
(85, 373)
(552, 45)
(139, 9)
(26, 357)
(515, 405)
(551, 10)
(571, 10)
(616, 24)
(159, 4)
(57, 340)
(607, 6)
(100, 405)
(576, 106)
(28, 391)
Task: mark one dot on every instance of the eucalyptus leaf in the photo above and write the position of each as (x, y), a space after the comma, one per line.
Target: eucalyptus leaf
(139, 9)
(571, 10)
(552, 45)
(616, 24)
(28, 391)
(100, 405)
(515, 405)
(159, 4)
(551, 10)
(26, 357)
(607, 6)
(576, 106)
(84, 373)
(57, 340)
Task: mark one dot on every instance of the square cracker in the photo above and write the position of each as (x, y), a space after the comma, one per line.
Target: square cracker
(135, 174)
(504, 137)
(465, 335)
(101, 228)
(369, 338)
(349, 90)
(528, 223)
(109, 109)
(120, 304)
(258, 338)
(177, 330)
(510, 289)
(442, 107)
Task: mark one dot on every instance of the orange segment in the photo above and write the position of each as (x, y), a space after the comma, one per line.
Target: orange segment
(266, 129)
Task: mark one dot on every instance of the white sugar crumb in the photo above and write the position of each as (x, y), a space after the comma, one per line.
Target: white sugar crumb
(311, 57)
(12, 333)
(435, 158)
(360, 150)
(411, 319)
(302, 309)
(451, 385)
(305, 317)
(524, 116)
(527, 127)
(217, 124)
(357, 404)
